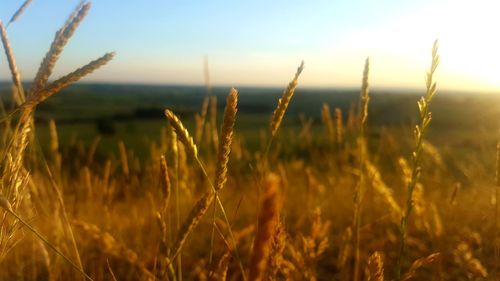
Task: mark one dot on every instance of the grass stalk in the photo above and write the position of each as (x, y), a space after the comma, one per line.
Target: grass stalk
(360, 187)
(223, 151)
(420, 131)
(202, 205)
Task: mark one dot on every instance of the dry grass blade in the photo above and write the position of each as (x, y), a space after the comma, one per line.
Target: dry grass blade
(16, 76)
(418, 264)
(71, 78)
(113, 277)
(56, 48)
(4, 204)
(268, 218)
(283, 102)
(192, 220)
(19, 11)
(182, 133)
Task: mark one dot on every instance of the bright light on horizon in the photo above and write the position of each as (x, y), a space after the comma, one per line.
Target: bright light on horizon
(261, 43)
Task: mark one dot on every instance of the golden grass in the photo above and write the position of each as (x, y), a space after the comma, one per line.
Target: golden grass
(19, 11)
(16, 76)
(283, 102)
(359, 192)
(125, 219)
(61, 39)
(420, 131)
(225, 140)
(182, 133)
(71, 78)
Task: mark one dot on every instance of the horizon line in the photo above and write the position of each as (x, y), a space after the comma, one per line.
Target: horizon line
(256, 86)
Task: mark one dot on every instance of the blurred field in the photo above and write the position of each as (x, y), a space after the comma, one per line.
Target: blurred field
(107, 201)
(134, 113)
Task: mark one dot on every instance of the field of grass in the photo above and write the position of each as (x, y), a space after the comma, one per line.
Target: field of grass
(135, 113)
(139, 182)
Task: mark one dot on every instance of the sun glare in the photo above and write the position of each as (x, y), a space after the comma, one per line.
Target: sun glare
(400, 47)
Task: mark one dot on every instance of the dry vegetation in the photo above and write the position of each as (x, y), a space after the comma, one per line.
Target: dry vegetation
(207, 208)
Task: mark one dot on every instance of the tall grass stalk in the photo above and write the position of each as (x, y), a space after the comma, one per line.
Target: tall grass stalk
(360, 187)
(174, 149)
(416, 158)
(16, 76)
(60, 40)
(225, 140)
(202, 205)
(15, 150)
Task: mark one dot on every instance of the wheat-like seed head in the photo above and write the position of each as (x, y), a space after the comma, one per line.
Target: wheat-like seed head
(418, 264)
(16, 76)
(365, 97)
(283, 102)
(19, 11)
(213, 135)
(220, 273)
(429, 81)
(339, 126)
(420, 131)
(268, 219)
(201, 119)
(165, 179)
(54, 140)
(326, 116)
(124, 158)
(61, 38)
(13, 165)
(182, 132)
(69, 79)
(276, 257)
(225, 139)
(376, 267)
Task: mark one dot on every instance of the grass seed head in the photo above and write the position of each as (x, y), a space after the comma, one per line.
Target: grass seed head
(283, 102)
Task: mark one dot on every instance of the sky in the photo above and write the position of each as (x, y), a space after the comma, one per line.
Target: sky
(261, 43)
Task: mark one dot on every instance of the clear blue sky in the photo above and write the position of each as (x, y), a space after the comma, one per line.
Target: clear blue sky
(262, 42)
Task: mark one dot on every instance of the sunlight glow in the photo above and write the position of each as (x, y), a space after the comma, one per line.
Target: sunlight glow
(400, 48)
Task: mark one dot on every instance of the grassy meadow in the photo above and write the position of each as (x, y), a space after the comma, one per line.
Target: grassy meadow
(144, 182)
